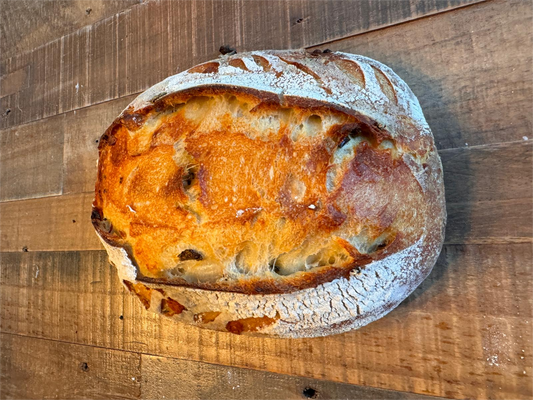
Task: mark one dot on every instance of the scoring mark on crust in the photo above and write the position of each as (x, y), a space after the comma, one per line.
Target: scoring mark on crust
(250, 324)
(207, 68)
(305, 69)
(238, 63)
(262, 62)
(385, 84)
(206, 317)
(171, 307)
(353, 71)
(144, 293)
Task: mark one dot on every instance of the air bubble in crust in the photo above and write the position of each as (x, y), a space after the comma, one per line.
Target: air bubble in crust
(190, 254)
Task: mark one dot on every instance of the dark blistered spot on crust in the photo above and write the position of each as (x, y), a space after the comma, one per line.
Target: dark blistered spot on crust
(250, 324)
(104, 227)
(171, 307)
(133, 121)
(227, 49)
(108, 138)
(207, 68)
(331, 218)
(96, 215)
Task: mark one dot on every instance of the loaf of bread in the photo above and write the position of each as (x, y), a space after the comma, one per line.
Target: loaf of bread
(285, 193)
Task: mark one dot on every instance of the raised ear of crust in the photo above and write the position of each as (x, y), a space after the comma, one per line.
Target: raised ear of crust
(330, 308)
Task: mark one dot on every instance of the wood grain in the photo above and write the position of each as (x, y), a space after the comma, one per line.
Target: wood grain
(28, 24)
(36, 368)
(59, 223)
(82, 131)
(505, 221)
(15, 81)
(488, 191)
(128, 52)
(465, 332)
(195, 380)
(488, 173)
(469, 68)
(31, 160)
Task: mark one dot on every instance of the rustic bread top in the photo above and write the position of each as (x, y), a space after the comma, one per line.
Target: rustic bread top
(268, 172)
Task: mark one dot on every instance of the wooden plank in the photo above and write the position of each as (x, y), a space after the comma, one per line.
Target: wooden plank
(194, 380)
(60, 223)
(488, 191)
(31, 160)
(487, 173)
(28, 24)
(465, 332)
(505, 221)
(35, 369)
(15, 81)
(34, 161)
(82, 132)
(126, 53)
(467, 67)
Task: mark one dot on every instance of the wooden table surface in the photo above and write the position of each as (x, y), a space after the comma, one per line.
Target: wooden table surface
(68, 329)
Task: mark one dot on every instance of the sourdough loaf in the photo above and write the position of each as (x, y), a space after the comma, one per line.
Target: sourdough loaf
(286, 193)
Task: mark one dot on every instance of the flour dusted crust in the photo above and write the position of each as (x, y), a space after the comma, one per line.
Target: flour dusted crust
(285, 193)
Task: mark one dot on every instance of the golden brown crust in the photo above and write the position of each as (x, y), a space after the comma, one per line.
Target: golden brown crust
(191, 184)
(371, 168)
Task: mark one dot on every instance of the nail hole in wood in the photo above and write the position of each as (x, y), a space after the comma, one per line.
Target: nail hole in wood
(309, 393)
(73, 221)
(84, 366)
(88, 11)
(8, 111)
(121, 317)
(25, 249)
(299, 20)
